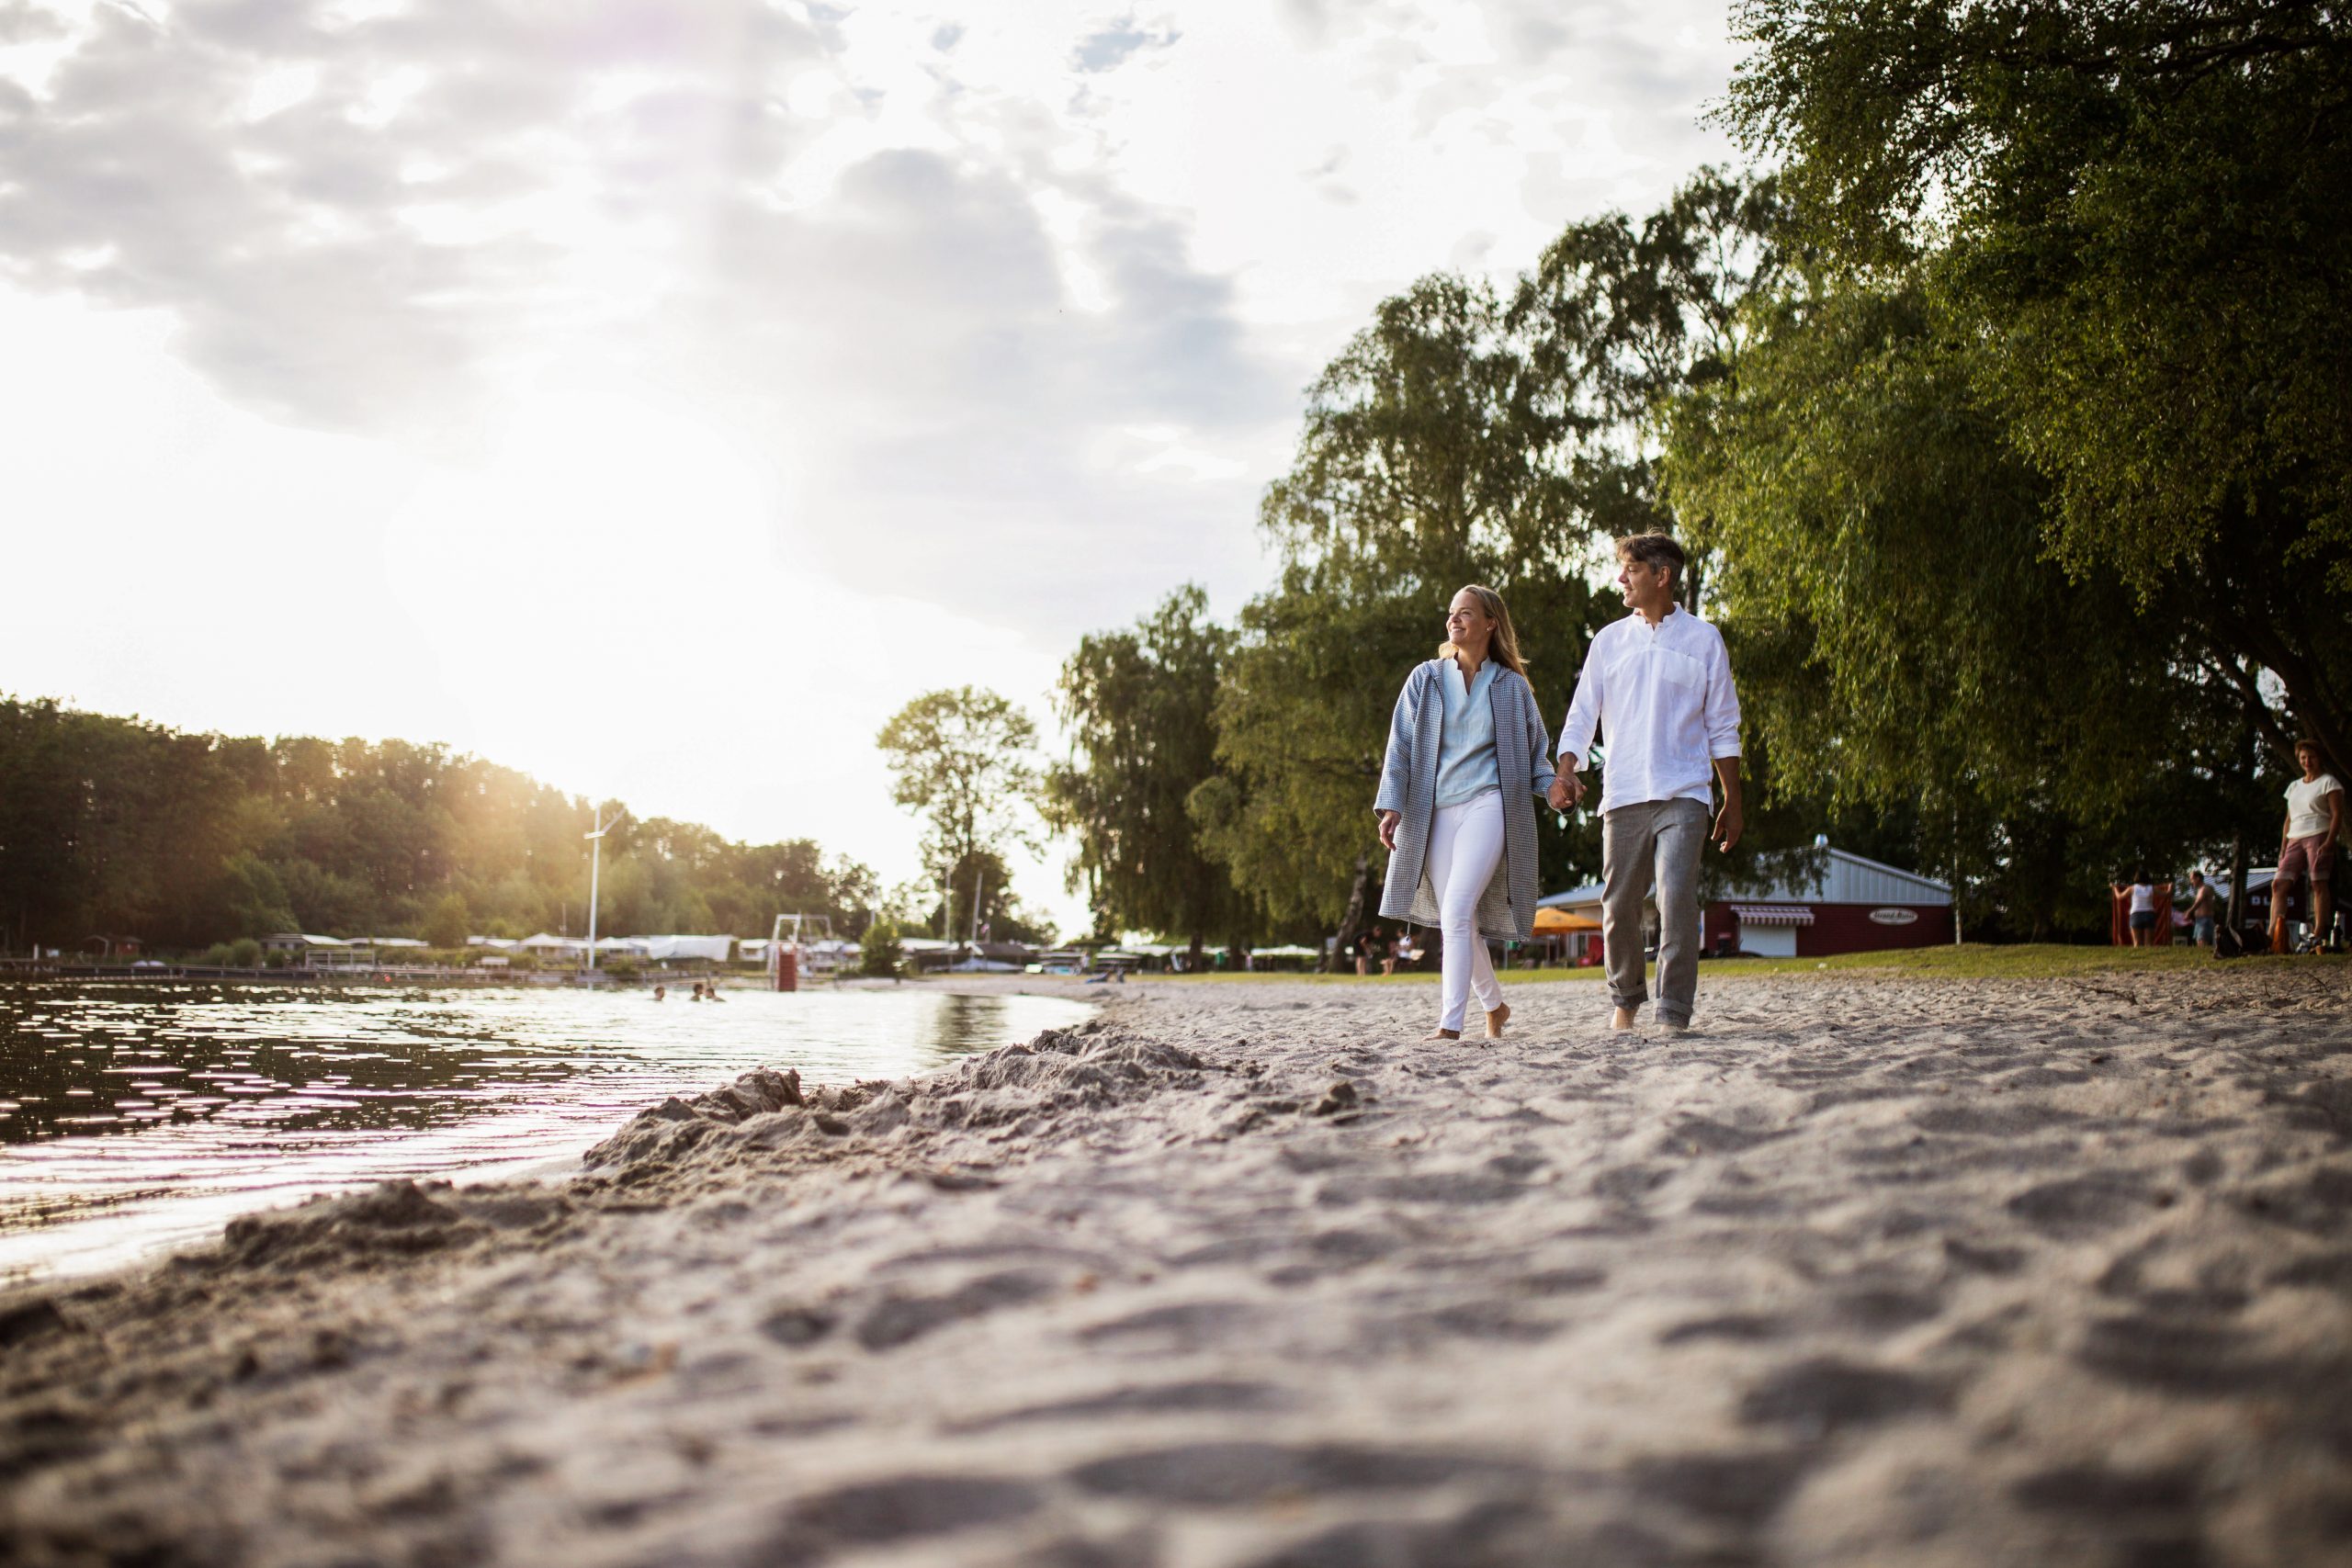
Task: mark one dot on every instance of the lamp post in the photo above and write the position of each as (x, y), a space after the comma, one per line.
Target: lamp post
(595, 858)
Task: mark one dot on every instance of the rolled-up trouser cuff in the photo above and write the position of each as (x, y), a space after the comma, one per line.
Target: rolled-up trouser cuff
(1636, 999)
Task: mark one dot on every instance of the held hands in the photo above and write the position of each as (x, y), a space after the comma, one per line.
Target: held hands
(1568, 790)
(1388, 820)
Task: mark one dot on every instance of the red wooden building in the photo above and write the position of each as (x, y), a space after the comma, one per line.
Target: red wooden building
(1854, 905)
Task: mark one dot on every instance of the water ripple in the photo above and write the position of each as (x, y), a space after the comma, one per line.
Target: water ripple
(136, 1118)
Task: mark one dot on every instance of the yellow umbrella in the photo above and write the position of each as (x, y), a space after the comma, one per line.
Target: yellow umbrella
(1554, 921)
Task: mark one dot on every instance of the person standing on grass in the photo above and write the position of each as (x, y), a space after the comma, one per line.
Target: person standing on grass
(1468, 757)
(2200, 910)
(2143, 907)
(1658, 687)
(2307, 843)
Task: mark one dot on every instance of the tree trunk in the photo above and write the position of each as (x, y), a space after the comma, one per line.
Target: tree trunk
(1194, 956)
(1350, 923)
(2235, 913)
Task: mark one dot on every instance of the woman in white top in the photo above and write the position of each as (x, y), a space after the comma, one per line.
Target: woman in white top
(2307, 843)
(2143, 909)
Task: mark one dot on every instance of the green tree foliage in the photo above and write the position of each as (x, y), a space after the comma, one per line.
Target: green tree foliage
(965, 761)
(2143, 214)
(1302, 715)
(1899, 627)
(1620, 320)
(448, 924)
(1139, 705)
(113, 827)
(247, 898)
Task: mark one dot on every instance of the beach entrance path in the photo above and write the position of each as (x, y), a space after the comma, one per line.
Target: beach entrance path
(1865, 1271)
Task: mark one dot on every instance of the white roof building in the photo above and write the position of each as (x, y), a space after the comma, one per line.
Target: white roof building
(1844, 878)
(709, 949)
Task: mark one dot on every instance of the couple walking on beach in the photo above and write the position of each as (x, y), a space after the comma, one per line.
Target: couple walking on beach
(1468, 754)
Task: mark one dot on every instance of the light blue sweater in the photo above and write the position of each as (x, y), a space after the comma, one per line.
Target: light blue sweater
(1466, 757)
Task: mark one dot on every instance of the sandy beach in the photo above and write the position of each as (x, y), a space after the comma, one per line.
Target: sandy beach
(1864, 1271)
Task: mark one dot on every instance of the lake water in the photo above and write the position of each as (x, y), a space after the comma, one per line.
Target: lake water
(138, 1118)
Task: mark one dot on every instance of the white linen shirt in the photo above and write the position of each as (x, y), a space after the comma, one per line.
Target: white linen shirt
(1662, 698)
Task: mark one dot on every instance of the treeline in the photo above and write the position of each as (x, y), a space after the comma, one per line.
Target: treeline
(2004, 425)
(113, 828)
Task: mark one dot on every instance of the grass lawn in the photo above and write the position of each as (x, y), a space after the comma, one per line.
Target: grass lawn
(1975, 960)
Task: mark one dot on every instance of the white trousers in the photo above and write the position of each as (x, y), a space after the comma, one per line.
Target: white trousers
(1465, 843)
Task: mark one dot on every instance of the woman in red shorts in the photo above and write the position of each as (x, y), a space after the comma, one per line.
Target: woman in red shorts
(2307, 845)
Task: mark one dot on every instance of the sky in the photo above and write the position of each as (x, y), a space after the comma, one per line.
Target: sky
(654, 396)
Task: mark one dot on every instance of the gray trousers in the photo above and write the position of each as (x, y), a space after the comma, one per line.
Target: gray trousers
(1662, 837)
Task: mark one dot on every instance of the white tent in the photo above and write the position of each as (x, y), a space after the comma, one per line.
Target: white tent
(707, 949)
(547, 942)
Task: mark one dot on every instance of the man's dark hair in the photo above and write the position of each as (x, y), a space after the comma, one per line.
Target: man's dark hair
(1654, 550)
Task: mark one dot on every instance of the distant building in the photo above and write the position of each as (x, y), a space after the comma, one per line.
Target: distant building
(309, 951)
(696, 948)
(1854, 905)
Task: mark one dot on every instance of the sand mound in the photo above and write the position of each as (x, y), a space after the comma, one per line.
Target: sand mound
(1246, 1276)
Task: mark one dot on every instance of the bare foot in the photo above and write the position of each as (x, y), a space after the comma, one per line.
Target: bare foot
(1442, 1034)
(1496, 1019)
(1621, 1018)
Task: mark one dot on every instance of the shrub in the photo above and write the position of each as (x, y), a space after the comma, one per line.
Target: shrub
(878, 952)
(446, 926)
(244, 953)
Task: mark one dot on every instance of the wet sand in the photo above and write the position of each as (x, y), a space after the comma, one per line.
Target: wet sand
(1864, 1271)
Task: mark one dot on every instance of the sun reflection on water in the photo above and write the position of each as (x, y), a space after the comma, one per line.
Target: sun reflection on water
(135, 1118)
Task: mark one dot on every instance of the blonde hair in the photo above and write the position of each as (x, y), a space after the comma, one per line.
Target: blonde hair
(1503, 645)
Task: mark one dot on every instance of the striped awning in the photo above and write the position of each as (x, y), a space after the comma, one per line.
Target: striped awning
(1773, 914)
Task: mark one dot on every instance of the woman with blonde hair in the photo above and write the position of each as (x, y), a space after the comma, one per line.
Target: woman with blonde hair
(1467, 756)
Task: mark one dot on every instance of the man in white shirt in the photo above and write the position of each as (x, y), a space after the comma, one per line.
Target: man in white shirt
(1658, 685)
(2307, 843)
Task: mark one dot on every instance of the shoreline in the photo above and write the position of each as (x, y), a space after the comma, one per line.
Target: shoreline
(79, 1201)
(1869, 1270)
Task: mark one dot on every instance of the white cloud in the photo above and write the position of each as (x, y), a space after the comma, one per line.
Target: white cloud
(435, 324)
